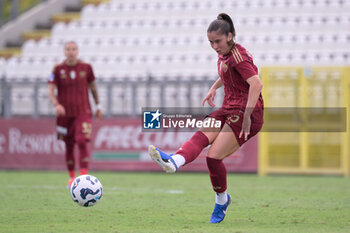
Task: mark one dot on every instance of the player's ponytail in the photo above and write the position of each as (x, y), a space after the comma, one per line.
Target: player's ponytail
(224, 24)
(228, 19)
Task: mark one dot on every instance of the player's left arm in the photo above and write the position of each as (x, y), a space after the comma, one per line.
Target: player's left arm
(255, 87)
(94, 93)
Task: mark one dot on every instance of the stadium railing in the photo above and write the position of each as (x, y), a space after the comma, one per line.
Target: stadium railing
(119, 97)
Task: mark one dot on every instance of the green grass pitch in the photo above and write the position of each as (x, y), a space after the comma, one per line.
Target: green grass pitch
(183, 202)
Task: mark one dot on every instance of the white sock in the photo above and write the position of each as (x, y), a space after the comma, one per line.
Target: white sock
(179, 160)
(221, 198)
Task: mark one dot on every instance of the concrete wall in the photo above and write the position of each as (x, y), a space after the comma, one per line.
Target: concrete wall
(11, 31)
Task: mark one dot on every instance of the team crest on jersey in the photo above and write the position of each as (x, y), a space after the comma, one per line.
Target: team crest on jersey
(72, 74)
(224, 67)
(63, 74)
(82, 74)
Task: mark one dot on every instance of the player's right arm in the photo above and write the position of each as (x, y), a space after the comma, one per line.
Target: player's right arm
(53, 82)
(212, 92)
(60, 111)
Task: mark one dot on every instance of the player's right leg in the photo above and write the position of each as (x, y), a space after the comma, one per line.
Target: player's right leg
(65, 132)
(70, 161)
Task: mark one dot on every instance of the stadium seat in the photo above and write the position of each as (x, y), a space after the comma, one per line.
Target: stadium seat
(137, 38)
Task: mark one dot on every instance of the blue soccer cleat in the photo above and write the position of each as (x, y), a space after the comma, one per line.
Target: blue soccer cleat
(219, 212)
(162, 159)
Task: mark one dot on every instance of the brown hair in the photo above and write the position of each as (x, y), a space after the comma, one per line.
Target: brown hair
(224, 24)
(70, 42)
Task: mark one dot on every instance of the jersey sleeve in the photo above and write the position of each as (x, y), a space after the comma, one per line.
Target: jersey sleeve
(53, 78)
(243, 63)
(91, 76)
(246, 70)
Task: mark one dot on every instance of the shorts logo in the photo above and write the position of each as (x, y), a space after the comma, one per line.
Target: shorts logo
(87, 129)
(151, 120)
(233, 118)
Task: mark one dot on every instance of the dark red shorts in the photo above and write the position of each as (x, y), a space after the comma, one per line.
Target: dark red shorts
(74, 129)
(234, 118)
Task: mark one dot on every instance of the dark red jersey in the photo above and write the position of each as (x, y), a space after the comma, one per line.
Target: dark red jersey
(234, 69)
(73, 87)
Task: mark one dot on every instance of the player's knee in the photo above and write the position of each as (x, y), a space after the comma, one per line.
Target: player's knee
(221, 153)
(210, 134)
(215, 154)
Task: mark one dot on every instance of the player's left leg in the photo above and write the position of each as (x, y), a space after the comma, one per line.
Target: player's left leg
(82, 137)
(84, 157)
(224, 145)
(188, 152)
(163, 159)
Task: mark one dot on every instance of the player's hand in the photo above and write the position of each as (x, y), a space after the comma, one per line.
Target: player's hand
(99, 114)
(60, 111)
(245, 131)
(210, 98)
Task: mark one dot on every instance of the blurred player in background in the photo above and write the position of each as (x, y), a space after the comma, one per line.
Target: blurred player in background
(241, 114)
(73, 79)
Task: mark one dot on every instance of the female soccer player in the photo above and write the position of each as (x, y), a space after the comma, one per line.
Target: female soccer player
(241, 114)
(73, 80)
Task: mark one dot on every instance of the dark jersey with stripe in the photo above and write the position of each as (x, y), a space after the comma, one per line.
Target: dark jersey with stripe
(73, 87)
(234, 70)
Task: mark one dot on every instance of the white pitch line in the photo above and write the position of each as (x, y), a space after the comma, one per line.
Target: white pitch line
(117, 190)
(114, 190)
(35, 186)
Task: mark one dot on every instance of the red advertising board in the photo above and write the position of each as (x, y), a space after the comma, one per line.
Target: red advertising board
(117, 144)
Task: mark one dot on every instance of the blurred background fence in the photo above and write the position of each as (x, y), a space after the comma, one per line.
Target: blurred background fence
(321, 145)
(29, 98)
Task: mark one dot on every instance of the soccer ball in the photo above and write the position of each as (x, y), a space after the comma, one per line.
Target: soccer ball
(86, 190)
